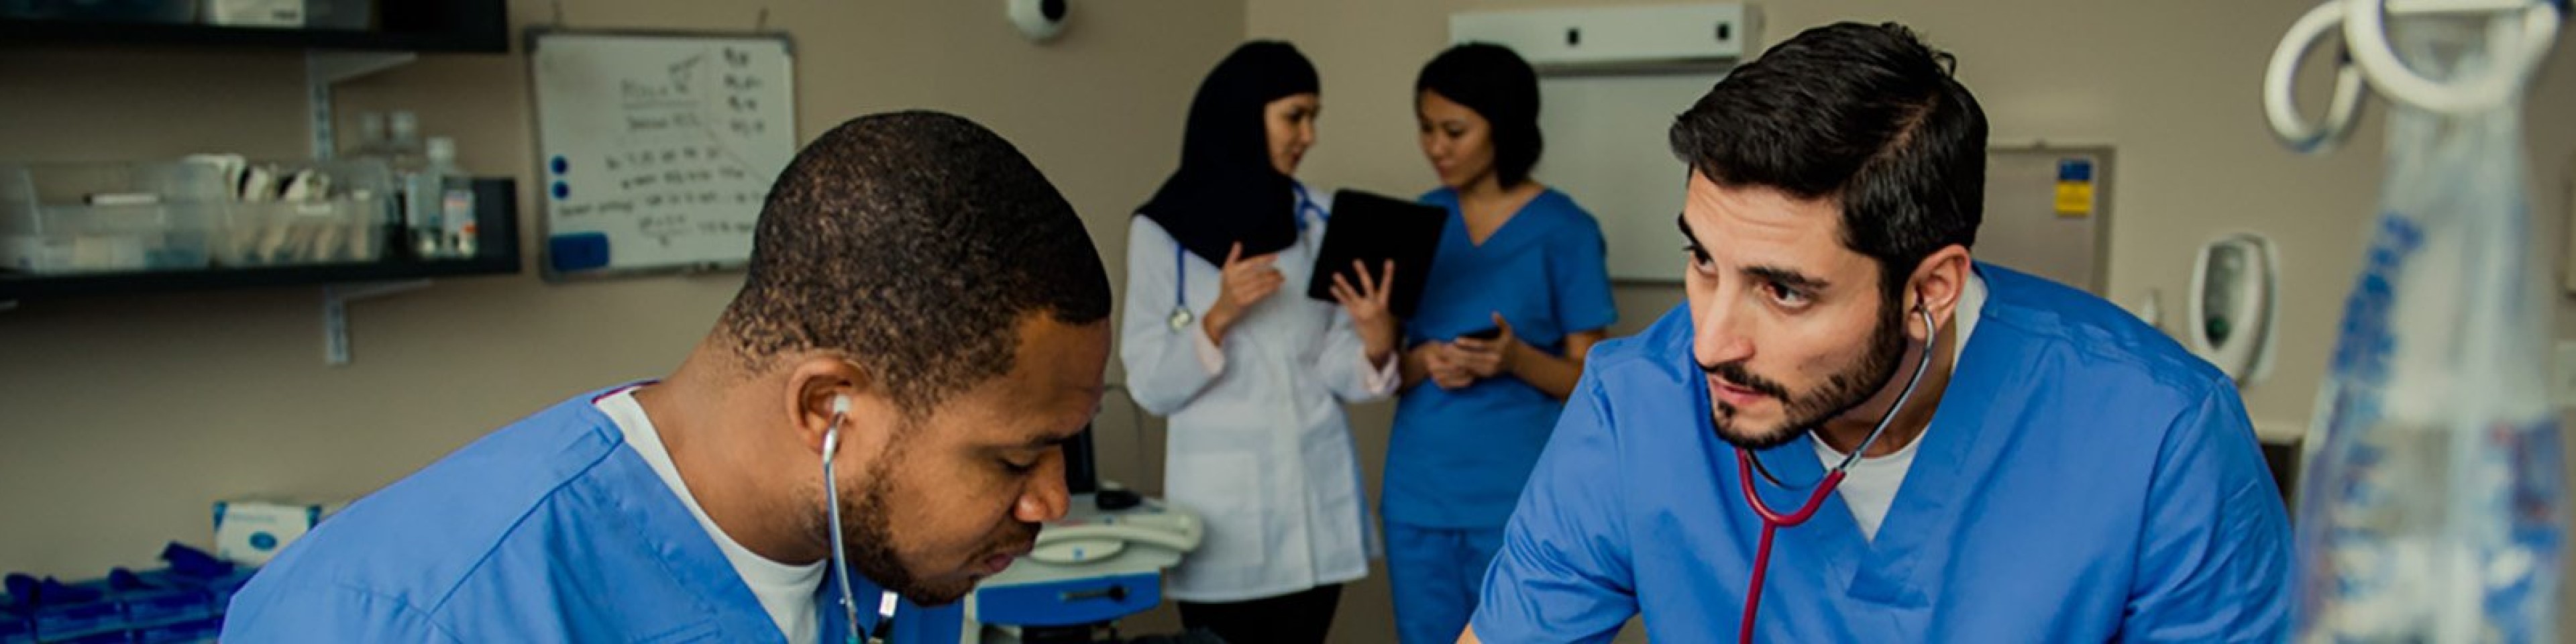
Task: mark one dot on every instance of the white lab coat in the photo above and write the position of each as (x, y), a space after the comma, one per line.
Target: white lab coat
(1260, 447)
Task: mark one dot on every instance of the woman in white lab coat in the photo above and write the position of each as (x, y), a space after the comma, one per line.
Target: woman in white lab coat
(1220, 337)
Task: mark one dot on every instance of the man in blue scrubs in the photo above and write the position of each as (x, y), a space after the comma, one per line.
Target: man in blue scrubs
(915, 286)
(2064, 473)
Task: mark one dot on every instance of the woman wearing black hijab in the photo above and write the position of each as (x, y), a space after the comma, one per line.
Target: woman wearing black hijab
(1219, 338)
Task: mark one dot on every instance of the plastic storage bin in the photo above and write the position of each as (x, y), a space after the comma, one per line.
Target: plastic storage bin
(160, 11)
(159, 597)
(189, 632)
(14, 627)
(76, 218)
(341, 221)
(90, 218)
(284, 233)
(357, 15)
(351, 15)
(102, 637)
(82, 621)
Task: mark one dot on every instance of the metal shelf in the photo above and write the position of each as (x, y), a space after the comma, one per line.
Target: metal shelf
(19, 31)
(444, 26)
(403, 31)
(497, 233)
(499, 240)
(37, 288)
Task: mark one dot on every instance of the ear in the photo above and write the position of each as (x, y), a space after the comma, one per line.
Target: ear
(822, 389)
(1936, 286)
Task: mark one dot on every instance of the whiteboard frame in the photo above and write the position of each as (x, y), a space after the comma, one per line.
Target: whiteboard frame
(529, 39)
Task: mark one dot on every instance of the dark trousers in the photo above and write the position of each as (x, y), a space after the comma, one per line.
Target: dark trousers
(1296, 618)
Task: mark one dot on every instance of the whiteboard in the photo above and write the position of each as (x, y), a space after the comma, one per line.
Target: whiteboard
(1606, 148)
(657, 148)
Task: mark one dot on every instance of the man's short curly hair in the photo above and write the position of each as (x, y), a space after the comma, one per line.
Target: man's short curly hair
(913, 242)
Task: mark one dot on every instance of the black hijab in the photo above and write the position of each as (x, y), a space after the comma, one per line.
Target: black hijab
(1225, 190)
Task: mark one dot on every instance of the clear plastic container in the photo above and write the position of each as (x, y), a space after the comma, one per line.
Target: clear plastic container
(338, 217)
(306, 232)
(160, 11)
(358, 15)
(80, 218)
(109, 217)
(432, 195)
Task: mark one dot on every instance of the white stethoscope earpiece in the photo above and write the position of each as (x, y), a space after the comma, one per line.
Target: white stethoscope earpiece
(840, 555)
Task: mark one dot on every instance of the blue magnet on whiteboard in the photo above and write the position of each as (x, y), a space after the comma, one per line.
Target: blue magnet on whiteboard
(563, 191)
(571, 252)
(561, 165)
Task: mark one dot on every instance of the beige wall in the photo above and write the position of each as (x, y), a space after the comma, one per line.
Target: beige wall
(119, 422)
(148, 417)
(2174, 85)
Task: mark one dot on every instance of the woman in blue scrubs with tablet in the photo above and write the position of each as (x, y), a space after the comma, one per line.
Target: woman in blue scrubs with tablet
(1518, 293)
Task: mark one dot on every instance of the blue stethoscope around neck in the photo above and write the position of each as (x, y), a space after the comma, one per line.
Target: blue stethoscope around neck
(1181, 316)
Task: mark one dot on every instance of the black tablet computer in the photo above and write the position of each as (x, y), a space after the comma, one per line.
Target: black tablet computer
(1374, 228)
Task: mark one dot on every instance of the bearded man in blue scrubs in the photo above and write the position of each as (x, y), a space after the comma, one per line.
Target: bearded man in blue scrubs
(2063, 473)
(917, 291)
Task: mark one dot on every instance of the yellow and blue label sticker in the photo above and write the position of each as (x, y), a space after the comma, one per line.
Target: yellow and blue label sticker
(2075, 188)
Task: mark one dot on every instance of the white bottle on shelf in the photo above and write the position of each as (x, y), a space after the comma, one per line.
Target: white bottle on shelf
(375, 145)
(426, 192)
(402, 147)
(456, 201)
(416, 225)
(371, 137)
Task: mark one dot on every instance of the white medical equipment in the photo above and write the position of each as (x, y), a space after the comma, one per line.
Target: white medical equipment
(1103, 561)
(2518, 39)
(2432, 507)
(2232, 306)
(1090, 568)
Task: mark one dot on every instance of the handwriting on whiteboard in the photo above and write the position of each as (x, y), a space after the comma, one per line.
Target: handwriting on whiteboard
(673, 161)
(665, 144)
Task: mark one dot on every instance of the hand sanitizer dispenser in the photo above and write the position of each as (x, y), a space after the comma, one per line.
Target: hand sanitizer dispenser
(2231, 306)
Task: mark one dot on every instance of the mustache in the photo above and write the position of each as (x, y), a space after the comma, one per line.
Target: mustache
(1022, 533)
(1735, 374)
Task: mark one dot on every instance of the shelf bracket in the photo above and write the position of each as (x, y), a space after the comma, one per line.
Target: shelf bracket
(324, 69)
(335, 313)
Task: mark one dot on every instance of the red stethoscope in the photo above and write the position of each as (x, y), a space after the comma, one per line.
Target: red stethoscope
(1773, 520)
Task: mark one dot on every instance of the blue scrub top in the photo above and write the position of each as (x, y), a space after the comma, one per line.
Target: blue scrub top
(1458, 459)
(549, 530)
(2085, 479)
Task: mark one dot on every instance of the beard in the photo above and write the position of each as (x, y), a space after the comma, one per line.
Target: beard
(1803, 413)
(869, 542)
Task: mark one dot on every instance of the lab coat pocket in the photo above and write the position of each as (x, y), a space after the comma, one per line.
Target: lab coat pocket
(1225, 489)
